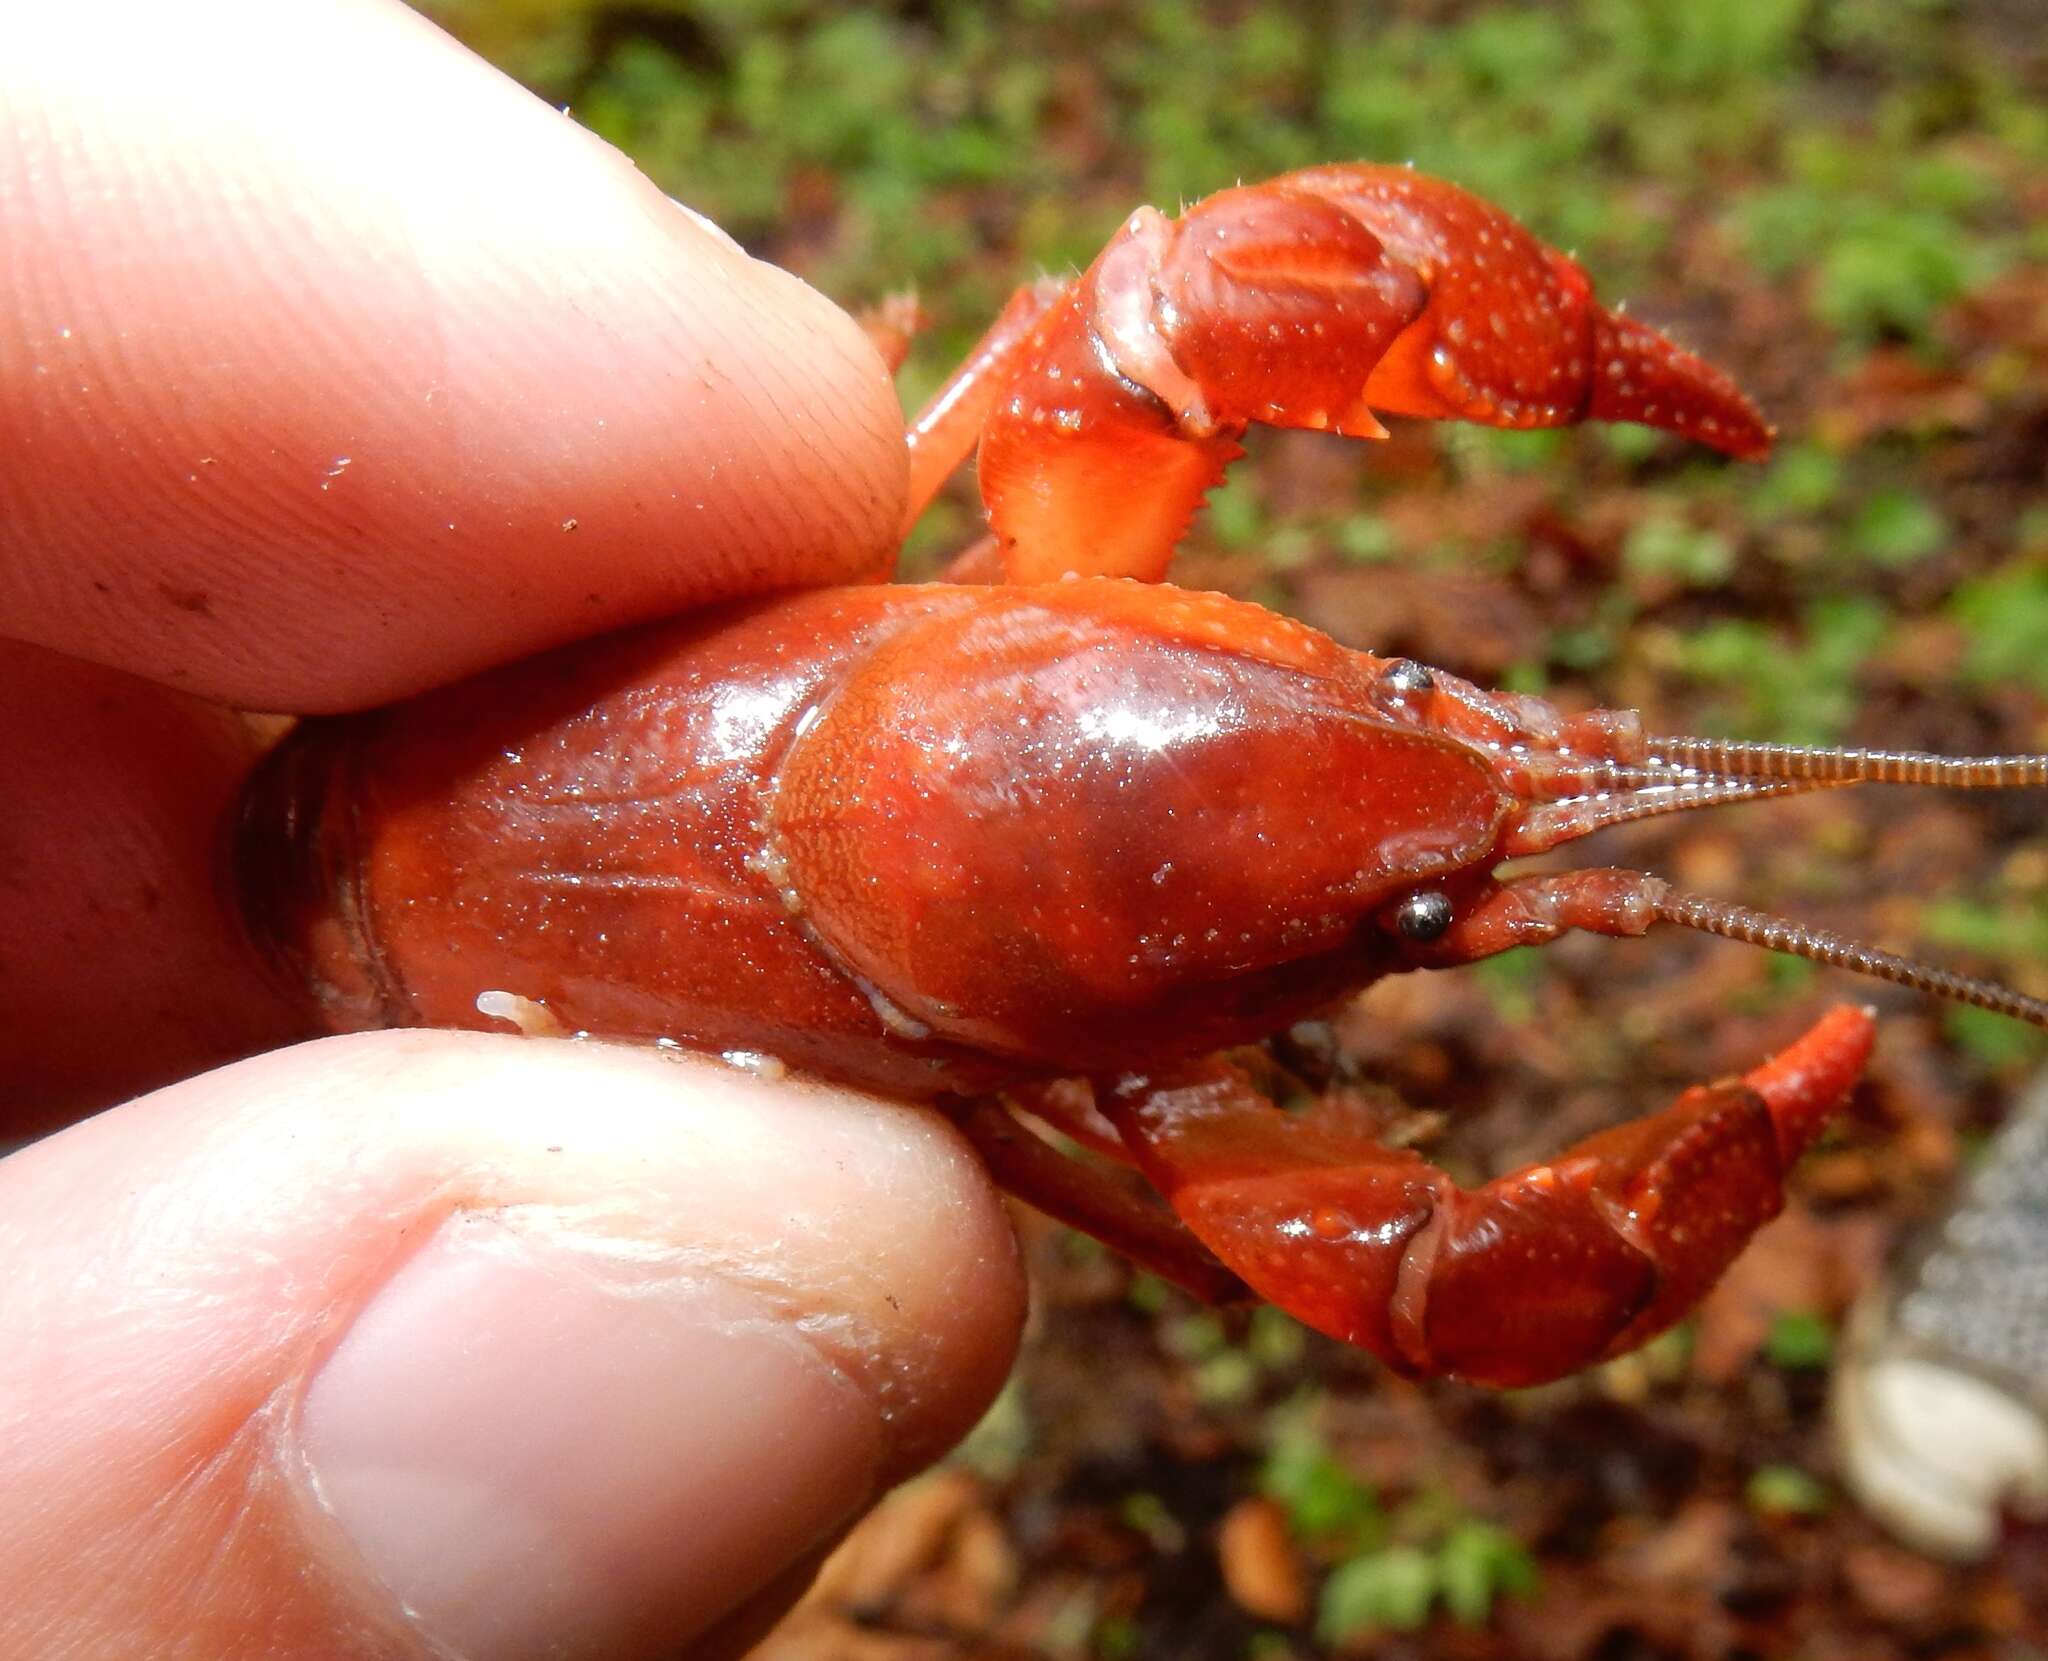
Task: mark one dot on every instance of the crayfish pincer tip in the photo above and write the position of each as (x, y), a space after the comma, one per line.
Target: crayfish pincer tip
(1642, 375)
(1804, 1083)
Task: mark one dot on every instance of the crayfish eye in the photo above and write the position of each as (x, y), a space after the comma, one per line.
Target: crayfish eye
(1406, 676)
(1423, 916)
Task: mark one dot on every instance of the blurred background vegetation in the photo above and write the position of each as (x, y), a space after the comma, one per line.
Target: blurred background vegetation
(1805, 188)
(1876, 152)
(1845, 202)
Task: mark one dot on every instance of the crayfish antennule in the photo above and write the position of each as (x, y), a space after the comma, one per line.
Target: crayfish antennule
(1622, 795)
(1780, 934)
(1832, 764)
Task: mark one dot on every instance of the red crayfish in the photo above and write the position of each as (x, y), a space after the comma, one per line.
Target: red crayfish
(973, 843)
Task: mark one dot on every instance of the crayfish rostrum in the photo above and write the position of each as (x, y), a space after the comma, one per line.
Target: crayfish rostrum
(971, 842)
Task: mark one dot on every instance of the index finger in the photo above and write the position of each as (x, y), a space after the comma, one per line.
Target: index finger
(334, 365)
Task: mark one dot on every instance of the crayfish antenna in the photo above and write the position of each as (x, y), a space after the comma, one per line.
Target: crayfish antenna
(1566, 797)
(1832, 764)
(1780, 934)
(1708, 764)
(1535, 907)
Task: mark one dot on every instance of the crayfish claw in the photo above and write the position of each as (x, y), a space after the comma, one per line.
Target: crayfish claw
(1107, 409)
(1503, 338)
(1532, 1276)
(1278, 303)
(1805, 1081)
(1511, 335)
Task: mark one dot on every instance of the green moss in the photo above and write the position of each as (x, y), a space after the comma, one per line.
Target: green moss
(1793, 692)
(1785, 1490)
(1799, 1340)
(2004, 618)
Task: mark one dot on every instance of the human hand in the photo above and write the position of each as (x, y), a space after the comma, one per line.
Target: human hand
(317, 339)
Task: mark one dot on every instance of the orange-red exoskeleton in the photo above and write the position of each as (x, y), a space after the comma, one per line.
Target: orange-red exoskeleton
(961, 842)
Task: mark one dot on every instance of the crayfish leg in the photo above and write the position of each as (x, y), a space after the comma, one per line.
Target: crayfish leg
(1530, 1277)
(1068, 1106)
(981, 561)
(1084, 472)
(944, 433)
(891, 325)
(1094, 1202)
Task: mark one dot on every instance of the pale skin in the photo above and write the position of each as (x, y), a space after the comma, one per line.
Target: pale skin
(333, 366)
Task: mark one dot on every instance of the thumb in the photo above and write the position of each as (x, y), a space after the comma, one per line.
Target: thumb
(419, 1343)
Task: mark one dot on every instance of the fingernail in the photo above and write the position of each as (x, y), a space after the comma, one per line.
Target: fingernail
(552, 1446)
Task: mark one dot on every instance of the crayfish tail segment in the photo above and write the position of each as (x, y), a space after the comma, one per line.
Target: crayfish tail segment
(1533, 1276)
